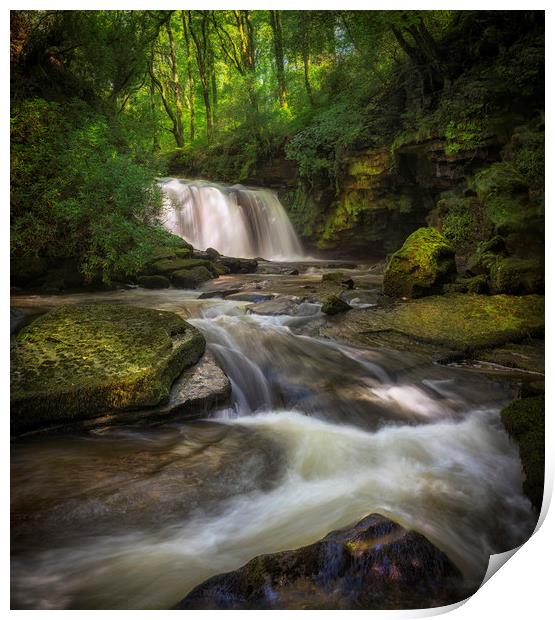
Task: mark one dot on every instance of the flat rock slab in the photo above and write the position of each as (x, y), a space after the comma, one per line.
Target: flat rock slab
(456, 321)
(281, 305)
(198, 390)
(82, 360)
(375, 564)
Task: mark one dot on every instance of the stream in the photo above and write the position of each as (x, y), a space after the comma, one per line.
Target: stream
(317, 435)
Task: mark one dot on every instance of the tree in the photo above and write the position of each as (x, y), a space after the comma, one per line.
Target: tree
(275, 22)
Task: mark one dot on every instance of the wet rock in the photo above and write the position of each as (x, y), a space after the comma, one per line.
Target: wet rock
(81, 360)
(212, 253)
(280, 305)
(421, 267)
(153, 282)
(190, 278)
(339, 278)
(238, 265)
(334, 305)
(255, 297)
(524, 420)
(375, 564)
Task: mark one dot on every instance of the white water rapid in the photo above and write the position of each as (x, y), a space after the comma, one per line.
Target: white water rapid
(235, 220)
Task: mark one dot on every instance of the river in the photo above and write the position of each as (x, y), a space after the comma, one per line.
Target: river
(317, 435)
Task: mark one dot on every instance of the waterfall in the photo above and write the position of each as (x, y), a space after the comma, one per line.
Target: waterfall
(235, 220)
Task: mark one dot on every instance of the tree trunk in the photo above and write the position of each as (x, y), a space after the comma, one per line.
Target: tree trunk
(190, 80)
(306, 55)
(155, 141)
(201, 52)
(176, 88)
(275, 22)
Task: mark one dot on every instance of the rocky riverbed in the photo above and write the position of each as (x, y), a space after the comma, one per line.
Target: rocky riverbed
(293, 424)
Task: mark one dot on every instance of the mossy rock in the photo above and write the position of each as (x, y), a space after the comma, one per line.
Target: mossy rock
(190, 278)
(81, 360)
(477, 284)
(421, 267)
(154, 282)
(524, 420)
(334, 305)
(165, 266)
(456, 321)
(515, 276)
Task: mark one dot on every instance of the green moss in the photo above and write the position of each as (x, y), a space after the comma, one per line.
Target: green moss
(190, 278)
(153, 282)
(334, 305)
(517, 275)
(168, 265)
(78, 361)
(424, 263)
(462, 321)
(524, 420)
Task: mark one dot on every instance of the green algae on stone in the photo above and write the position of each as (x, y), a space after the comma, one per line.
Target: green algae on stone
(524, 420)
(165, 266)
(155, 281)
(515, 275)
(421, 267)
(81, 360)
(460, 322)
(190, 278)
(334, 305)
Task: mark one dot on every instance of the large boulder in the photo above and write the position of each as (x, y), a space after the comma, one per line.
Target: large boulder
(82, 360)
(524, 420)
(456, 321)
(375, 564)
(421, 267)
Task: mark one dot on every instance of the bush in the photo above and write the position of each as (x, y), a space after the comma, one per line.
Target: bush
(75, 194)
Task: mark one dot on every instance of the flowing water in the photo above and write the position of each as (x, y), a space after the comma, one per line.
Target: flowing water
(235, 220)
(317, 435)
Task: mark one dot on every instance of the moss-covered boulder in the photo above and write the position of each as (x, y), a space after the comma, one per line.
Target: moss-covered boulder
(334, 305)
(524, 420)
(81, 360)
(374, 564)
(153, 281)
(190, 278)
(421, 267)
(517, 276)
(166, 266)
(456, 321)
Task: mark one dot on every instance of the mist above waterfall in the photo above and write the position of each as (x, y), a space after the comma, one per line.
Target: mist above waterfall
(235, 220)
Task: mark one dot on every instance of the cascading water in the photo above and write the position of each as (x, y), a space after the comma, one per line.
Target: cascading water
(235, 220)
(318, 435)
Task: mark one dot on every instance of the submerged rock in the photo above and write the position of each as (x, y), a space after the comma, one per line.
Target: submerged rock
(421, 267)
(524, 420)
(281, 305)
(82, 360)
(334, 305)
(375, 564)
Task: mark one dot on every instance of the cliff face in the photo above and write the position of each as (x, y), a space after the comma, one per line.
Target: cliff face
(382, 196)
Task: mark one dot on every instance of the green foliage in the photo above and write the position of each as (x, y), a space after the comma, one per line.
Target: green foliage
(319, 148)
(74, 194)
